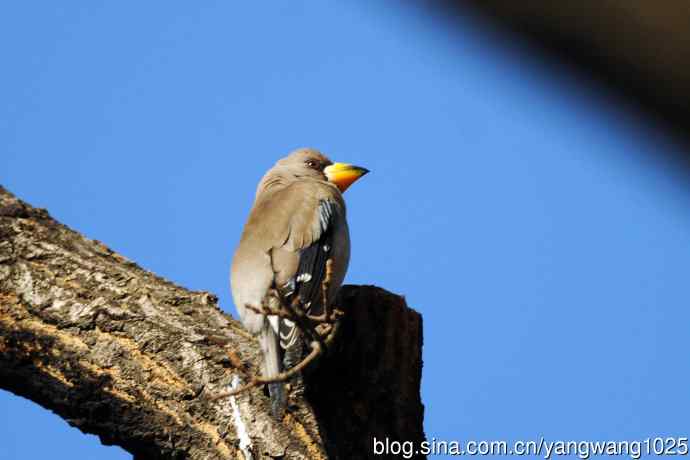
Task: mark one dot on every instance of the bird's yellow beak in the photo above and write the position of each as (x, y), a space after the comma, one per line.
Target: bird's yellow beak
(343, 174)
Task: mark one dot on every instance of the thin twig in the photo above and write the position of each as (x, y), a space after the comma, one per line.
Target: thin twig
(327, 316)
(307, 324)
(317, 349)
(268, 311)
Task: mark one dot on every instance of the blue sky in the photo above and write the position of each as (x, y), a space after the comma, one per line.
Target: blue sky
(530, 218)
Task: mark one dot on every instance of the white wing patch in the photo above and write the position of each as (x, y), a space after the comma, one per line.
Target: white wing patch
(303, 278)
(288, 339)
(325, 213)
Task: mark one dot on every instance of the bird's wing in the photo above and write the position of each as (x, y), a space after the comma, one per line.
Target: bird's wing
(311, 270)
(300, 259)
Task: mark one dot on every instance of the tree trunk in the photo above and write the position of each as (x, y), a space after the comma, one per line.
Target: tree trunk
(122, 353)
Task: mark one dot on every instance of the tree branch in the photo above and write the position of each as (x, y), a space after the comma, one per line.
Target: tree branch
(124, 354)
(638, 48)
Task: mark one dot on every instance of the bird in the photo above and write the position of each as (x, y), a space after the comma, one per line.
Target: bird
(297, 223)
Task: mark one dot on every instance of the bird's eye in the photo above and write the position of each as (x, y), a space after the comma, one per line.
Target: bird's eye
(312, 164)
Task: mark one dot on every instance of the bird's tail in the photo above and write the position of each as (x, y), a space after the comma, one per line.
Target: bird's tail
(270, 347)
(292, 342)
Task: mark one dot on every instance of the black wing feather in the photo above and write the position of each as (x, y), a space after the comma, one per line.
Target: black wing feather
(312, 262)
(311, 271)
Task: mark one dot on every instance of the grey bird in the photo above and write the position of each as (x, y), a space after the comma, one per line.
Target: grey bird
(298, 221)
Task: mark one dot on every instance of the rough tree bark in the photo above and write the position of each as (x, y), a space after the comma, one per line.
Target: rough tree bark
(124, 354)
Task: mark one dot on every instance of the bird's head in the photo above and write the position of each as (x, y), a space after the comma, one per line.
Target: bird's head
(312, 163)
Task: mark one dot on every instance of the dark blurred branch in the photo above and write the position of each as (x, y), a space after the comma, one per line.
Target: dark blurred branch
(639, 47)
